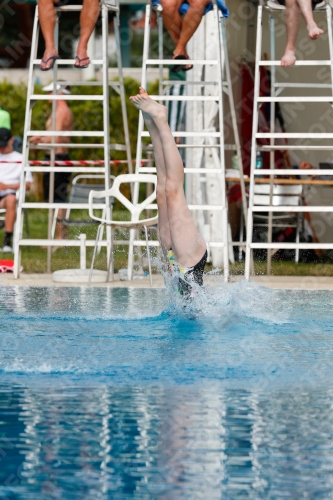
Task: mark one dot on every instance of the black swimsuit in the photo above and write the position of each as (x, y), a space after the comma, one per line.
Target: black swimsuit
(193, 275)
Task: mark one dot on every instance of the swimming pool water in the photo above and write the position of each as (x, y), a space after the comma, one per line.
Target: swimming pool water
(122, 394)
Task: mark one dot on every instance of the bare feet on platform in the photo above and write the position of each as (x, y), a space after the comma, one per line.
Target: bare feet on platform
(314, 31)
(289, 58)
(148, 106)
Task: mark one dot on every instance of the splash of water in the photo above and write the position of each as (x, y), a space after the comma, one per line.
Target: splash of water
(226, 301)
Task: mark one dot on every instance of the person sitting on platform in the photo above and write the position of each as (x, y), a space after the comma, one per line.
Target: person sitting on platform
(10, 177)
(294, 10)
(89, 15)
(181, 243)
(181, 29)
(64, 122)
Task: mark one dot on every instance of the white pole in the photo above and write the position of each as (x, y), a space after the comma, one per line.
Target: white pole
(83, 253)
(249, 228)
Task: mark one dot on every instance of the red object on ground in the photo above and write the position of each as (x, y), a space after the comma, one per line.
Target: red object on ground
(6, 266)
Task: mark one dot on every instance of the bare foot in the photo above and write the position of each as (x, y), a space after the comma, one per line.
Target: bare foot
(148, 106)
(289, 58)
(147, 118)
(48, 53)
(314, 31)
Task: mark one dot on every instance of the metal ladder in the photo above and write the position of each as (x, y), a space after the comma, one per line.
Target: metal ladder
(276, 90)
(19, 242)
(213, 140)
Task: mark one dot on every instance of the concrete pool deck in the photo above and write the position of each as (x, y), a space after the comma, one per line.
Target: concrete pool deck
(285, 282)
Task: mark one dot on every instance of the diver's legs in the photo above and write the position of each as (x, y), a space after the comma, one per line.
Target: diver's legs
(163, 221)
(188, 246)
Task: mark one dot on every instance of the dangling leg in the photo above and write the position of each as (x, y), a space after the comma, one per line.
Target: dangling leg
(293, 17)
(191, 21)
(306, 9)
(187, 244)
(47, 18)
(171, 18)
(88, 18)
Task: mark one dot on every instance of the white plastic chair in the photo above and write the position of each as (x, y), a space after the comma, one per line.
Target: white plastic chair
(135, 211)
(283, 195)
(79, 193)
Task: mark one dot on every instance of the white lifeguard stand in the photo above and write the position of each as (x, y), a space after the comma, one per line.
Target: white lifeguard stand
(104, 134)
(209, 82)
(294, 140)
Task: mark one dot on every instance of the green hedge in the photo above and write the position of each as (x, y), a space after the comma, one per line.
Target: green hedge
(87, 116)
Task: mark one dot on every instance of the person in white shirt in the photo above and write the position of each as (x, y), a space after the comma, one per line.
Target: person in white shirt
(10, 177)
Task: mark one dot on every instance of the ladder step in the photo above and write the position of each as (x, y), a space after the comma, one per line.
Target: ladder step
(188, 82)
(296, 99)
(74, 8)
(216, 244)
(323, 62)
(69, 62)
(115, 85)
(64, 83)
(92, 170)
(91, 243)
(295, 148)
(72, 206)
(303, 85)
(64, 243)
(203, 171)
(87, 84)
(227, 147)
(186, 170)
(140, 243)
(63, 97)
(189, 134)
(153, 206)
(305, 246)
(69, 8)
(289, 208)
(194, 146)
(292, 135)
(289, 171)
(184, 98)
(58, 133)
(73, 145)
(179, 62)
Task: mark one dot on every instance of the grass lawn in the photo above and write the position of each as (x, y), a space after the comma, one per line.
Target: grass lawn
(287, 268)
(34, 258)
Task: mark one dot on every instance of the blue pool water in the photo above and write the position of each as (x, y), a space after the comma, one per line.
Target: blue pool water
(122, 394)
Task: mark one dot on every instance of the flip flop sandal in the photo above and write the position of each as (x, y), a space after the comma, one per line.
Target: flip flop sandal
(53, 59)
(178, 67)
(189, 69)
(78, 66)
